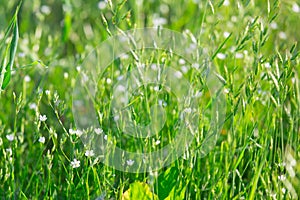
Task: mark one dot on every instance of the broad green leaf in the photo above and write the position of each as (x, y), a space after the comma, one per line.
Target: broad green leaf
(12, 53)
(139, 191)
(5, 69)
(166, 182)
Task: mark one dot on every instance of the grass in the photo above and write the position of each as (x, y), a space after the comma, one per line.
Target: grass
(254, 48)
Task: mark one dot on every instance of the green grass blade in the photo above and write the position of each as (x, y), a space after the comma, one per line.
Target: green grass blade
(12, 53)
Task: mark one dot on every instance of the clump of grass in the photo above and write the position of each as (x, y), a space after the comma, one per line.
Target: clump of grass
(252, 45)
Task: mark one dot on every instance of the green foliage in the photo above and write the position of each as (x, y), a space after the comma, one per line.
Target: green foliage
(138, 190)
(253, 44)
(6, 67)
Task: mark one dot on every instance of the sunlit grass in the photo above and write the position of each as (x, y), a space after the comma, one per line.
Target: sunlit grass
(253, 45)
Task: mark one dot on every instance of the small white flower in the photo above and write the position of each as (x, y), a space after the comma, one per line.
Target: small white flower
(42, 140)
(102, 5)
(75, 163)
(195, 65)
(282, 35)
(21, 54)
(234, 18)
(181, 61)
(159, 21)
(10, 137)
(75, 132)
(293, 80)
(108, 81)
(43, 118)
(124, 56)
(79, 133)
(226, 34)
(89, 153)
(45, 9)
(226, 90)
(239, 55)
(32, 106)
(198, 94)
(283, 190)
(178, 74)
(184, 69)
(273, 25)
(267, 65)
(130, 162)
(121, 88)
(116, 118)
(296, 8)
(27, 79)
(154, 67)
(157, 142)
(188, 110)
(282, 177)
(98, 131)
(164, 8)
(66, 75)
(47, 92)
(221, 56)
(105, 137)
(226, 3)
(78, 68)
(72, 132)
(156, 88)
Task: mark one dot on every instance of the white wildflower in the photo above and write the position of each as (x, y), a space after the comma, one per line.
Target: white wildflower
(102, 5)
(89, 153)
(239, 55)
(79, 133)
(282, 35)
(226, 90)
(116, 118)
(296, 8)
(108, 81)
(27, 78)
(156, 88)
(226, 34)
(282, 177)
(130, 162)
(45, 9)
(43, 118)
(184, 69)
(42, 140)
(10, 137)
(72, 132)
(267, 65)
(66, 75)
(178, 74)
(226, 3)
(32, 106)
(98, 131)
(159, 21)
(75, 163)
(75, 132)
(273, 25)
(221, 56)
(181, 61)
